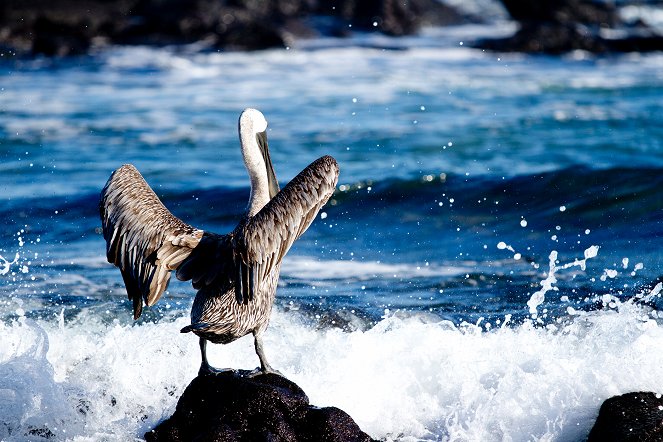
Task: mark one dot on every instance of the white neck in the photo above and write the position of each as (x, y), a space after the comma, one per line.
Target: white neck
(252, 122)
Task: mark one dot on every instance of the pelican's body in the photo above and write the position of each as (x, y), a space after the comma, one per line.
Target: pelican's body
(235, 274)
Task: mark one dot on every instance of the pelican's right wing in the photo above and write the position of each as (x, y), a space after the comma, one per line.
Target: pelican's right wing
(142, 237)
(261, 243)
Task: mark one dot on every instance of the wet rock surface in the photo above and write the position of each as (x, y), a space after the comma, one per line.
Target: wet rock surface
(629, 417)
(233, 407)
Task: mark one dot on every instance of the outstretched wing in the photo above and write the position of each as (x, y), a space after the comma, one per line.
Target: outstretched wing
(142, 237)
(261, 243)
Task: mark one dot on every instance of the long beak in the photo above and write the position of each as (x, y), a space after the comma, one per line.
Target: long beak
(271, 176)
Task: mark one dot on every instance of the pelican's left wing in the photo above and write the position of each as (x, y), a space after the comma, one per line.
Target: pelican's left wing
(142, 237)
(262, 242)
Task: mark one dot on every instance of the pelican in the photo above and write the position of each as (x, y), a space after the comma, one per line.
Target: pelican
(235, 274)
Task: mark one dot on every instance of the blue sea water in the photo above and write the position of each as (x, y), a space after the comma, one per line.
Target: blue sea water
(488, 268)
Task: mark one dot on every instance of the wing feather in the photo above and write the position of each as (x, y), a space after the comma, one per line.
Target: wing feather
(142, 237)
(263, 240)
(210, 264)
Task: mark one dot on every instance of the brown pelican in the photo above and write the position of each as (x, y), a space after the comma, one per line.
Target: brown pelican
(235, 274)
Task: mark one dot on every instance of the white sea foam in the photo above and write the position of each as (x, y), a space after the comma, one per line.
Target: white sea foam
(406, 378)
(486, 9)
(310, 268)
(651, 15)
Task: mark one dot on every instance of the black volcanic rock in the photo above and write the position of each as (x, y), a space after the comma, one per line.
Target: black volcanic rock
(58, 27)
(629, 417)
(559, 26)
(232, 407)
(555, 39)
(70, 27)
(548, 38)
(240, 25)
(562, 11)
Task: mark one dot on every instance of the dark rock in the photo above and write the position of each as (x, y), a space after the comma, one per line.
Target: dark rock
(629, 417)
(635, 43)
(548, 38)
(562, 11)
(559, 26)
(232, 407)
(224, 25)
(58, 27)
(67, 27)
(56, 38)
(556, 38)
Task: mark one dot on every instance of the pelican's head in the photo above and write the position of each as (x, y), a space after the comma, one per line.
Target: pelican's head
(253, 138)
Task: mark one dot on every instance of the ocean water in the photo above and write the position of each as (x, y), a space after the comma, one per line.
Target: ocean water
(488, 270)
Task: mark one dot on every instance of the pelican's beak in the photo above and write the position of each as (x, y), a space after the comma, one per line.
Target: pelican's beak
(271, 176)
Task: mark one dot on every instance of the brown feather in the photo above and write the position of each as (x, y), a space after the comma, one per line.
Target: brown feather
(143, 238)
(267, 236)
(147, 242)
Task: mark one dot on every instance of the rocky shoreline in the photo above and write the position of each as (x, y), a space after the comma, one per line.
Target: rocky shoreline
(70, 27)
(631, 417)
(561, 26)
(233, 407)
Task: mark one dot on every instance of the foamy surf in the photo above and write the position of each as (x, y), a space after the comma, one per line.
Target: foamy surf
(302, 267)
(409, 377)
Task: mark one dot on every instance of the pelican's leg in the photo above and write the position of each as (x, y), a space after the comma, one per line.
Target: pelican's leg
(205, 368)
(204, 365)
(264, 365)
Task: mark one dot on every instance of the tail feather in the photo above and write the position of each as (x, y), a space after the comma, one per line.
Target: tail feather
(198, 326)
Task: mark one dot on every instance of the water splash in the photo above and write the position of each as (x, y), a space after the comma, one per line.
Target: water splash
(653, 293)
(5, 264)
(548, 284)
(32, 405)
(21, 260)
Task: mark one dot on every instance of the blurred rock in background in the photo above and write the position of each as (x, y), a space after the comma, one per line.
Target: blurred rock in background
(69, 27)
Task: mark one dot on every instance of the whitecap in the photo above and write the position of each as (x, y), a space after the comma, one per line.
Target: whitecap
(405, 378)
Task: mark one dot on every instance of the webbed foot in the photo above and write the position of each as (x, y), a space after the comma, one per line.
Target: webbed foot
(206, 370)
(260, 371)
